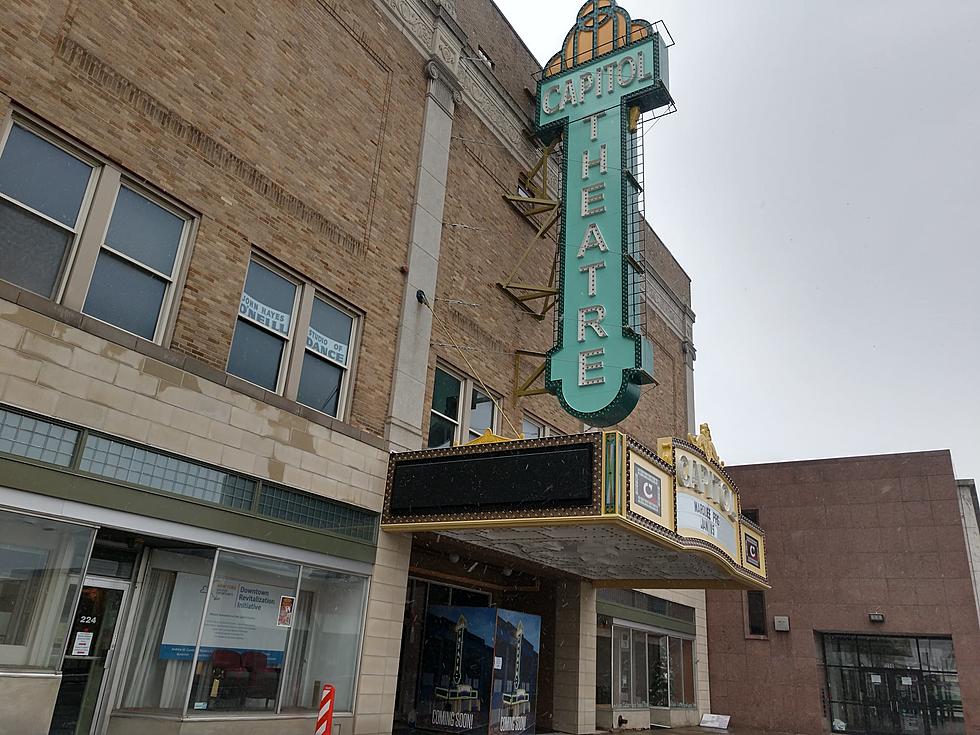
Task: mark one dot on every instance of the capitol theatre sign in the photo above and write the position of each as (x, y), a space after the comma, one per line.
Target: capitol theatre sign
(610, 71)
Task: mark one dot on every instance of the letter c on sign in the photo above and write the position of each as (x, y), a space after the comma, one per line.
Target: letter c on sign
(546, 99)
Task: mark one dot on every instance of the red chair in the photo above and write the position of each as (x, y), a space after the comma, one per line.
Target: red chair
(263, 681)
(233, 677)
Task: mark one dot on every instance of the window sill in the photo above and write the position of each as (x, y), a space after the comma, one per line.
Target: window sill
(752, 637)
(179, 360)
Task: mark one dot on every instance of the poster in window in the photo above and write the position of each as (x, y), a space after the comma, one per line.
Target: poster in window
(457, 669)
(515, 682)
(286, 605)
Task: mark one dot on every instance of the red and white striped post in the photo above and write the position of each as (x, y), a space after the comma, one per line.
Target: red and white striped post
(324, 721)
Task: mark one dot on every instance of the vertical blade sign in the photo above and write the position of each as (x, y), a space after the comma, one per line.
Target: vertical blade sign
(611, 69)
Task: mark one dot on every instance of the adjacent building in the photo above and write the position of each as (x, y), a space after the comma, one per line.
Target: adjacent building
(247, 251)
(871, 625)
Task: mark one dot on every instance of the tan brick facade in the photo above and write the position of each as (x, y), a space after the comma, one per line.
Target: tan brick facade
(357, 146)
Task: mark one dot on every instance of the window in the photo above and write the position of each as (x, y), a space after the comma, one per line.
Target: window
(756, 607)
(76, 230)
(536, 429)
(273, 633)
(275, 308)
(43, 188)
(643, 668)
(484, 57)
(450, 394)
(324, 374)
(264, 328)
(864, 671)
(751, 514)
(135, 270)
(41, 565)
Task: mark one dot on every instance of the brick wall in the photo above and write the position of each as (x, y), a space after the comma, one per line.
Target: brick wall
(483, 240)
(844, 537)
(291, 128)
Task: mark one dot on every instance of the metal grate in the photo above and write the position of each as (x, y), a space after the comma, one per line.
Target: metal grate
(24, 436)
(315, 512)
(125, 462)
(636, 227)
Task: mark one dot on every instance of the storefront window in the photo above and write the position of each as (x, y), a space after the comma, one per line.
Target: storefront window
(168, 622)
(41, 565)
(657, 669)
(676, 679)
(603, 661)
(624, 668)
(326, 640)
(246, 628)
(640, 691)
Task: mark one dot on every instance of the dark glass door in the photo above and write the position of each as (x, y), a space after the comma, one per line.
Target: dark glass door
(87, 659)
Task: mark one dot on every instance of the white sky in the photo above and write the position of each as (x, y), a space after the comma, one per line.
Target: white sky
(820, 184)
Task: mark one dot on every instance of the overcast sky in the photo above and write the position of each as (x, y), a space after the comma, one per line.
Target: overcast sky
(820, 183)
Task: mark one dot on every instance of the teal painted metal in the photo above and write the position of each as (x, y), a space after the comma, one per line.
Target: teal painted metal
(600, 359)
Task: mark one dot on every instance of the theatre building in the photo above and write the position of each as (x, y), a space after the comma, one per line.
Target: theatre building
(871, 625)
(275, 282)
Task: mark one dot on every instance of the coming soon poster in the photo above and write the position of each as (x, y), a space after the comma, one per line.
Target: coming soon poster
(479, 671)
(515, 673)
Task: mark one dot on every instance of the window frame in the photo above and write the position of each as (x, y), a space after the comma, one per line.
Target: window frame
(295, 348)
(74, 279)
(462, 423)
(546, 428)
(309, 292)
(749, 635)
(96, 178)
(616, 624)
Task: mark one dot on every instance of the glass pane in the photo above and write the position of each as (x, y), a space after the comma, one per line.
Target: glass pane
(245, 632)
(687, 648)
(168, 621)
(891, 653)
(137, 466)
(657, 669)
(31, 250)
(42, 176)
(319, 384)
(439, 594)
(315, 511)
(531, 430)
(845, 684)
(848, 717)
(268, 299)
(124, 295)
(624, 679)
(481, 413)
(757, 613)
(640, 690)
(25, 436)
(603, 667)
(41, 564)
(469, 598)
(937, 654)
(256, 355)
(441, 432)
(841, 650)
(326, 638)
(676, 663)
(144, 231)
(330, 331)
(445, 395)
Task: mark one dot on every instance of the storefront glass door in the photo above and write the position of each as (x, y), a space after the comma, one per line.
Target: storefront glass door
(88, 657)
(881, 685)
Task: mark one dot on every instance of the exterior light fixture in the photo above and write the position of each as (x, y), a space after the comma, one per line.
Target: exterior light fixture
(876, 617)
